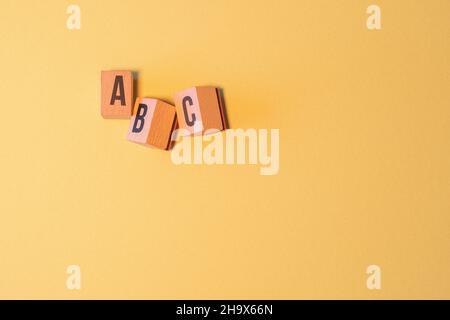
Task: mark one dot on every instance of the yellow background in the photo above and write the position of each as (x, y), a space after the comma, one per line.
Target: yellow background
(364, 151)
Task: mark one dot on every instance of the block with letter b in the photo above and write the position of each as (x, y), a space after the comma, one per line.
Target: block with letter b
(117, 94)
(152, 123)
(200, 109)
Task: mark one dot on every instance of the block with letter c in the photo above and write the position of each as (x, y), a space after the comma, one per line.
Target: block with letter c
(200, 109)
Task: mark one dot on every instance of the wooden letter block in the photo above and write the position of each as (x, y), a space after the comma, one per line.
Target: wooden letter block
(200, 109)
(117, 94)
(152, 123)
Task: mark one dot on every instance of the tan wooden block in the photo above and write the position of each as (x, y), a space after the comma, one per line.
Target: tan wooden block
(117, 94)
(200, 109)
(152, 123)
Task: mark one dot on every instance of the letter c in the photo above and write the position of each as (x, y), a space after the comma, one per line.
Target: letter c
(188, 100)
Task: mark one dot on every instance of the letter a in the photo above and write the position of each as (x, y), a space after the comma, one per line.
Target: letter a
(118, 85)
(74, 280)
(374, 280)
(74, 20)
(374, 20)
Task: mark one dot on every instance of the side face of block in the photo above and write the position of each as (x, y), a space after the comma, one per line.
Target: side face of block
(152, 123)
(199, 109)
(164, 121)
(117, 94)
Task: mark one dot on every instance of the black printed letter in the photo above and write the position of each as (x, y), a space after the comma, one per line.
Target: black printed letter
(140, 116)
(187, 100)
(118, 85)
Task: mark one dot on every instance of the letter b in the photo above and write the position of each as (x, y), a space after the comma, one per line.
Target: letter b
(140, 118)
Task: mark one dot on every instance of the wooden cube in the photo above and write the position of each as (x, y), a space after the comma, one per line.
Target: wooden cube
(117, 94)
(152, 123)
(200, 109)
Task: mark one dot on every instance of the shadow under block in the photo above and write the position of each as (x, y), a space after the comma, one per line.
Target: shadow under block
(152, 123)
(200, 109)
(117, 94)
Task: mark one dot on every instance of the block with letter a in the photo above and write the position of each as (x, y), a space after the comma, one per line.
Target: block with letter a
(117, 94)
